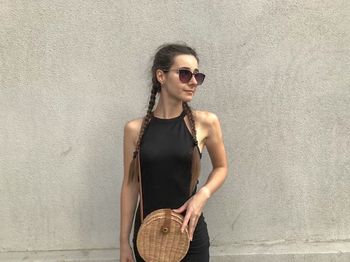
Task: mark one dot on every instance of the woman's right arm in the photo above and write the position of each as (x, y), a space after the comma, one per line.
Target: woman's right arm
(129, 192)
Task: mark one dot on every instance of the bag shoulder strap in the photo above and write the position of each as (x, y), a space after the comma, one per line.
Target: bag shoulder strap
(140, 184)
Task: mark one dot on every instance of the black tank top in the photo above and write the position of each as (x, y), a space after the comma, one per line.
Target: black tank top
(165, 159)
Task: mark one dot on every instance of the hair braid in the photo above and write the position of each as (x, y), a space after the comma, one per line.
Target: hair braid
(195, 167)
(133, 170)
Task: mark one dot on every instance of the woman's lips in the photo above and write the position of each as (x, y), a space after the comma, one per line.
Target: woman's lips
(188, 91)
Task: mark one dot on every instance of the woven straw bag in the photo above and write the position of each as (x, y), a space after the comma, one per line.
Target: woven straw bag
(159, 238)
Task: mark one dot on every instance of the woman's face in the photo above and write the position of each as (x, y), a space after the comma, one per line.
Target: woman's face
(171, 84)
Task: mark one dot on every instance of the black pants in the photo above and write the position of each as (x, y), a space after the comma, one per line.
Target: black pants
(199, 246)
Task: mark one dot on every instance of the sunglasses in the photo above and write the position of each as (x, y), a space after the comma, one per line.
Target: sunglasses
(185, 75)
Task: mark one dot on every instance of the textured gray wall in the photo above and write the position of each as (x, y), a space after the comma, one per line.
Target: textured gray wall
(73, 72)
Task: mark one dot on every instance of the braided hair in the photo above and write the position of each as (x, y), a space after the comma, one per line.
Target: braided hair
(163, 59)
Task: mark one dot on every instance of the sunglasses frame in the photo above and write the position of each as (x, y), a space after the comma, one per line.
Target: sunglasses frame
(185, 69)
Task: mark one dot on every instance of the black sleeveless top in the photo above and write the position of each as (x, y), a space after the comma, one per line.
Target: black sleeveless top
(165, 159)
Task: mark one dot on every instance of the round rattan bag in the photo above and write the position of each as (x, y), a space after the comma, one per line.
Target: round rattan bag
(159, 238)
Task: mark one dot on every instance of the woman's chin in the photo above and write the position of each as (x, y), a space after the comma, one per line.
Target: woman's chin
(187, 98)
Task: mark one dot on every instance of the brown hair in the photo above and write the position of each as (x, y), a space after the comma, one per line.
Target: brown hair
(163, 59)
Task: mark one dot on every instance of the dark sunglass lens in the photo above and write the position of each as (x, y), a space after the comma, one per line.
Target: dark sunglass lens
(199, 78)
(185, 75)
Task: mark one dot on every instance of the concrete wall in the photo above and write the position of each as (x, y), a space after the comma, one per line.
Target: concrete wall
(73, 72)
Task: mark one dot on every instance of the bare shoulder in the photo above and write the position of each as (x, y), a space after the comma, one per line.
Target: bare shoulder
(206, 118)
(132, 129)
(213, 137)
(207, 124)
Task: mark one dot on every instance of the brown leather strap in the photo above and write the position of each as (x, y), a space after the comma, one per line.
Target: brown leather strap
(139, 173)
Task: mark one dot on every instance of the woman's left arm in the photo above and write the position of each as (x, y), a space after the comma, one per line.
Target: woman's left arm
(216, 149)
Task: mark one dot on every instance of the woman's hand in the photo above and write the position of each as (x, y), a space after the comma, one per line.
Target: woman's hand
(193, 207)
(126, 254)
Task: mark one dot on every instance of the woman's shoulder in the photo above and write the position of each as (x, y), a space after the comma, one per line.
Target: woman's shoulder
(132, 128)
(209, 126)
(205, 118)
(134, 124)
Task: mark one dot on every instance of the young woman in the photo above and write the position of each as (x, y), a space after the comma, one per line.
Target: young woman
(170, 140)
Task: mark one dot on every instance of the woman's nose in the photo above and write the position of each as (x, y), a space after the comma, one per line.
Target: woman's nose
(193, 80)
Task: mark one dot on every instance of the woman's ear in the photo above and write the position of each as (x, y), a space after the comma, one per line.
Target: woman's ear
(160, 76)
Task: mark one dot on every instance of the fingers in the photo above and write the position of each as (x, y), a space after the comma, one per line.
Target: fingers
(185, 222)
(193, 223)
(182, 208)
(190, 218)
